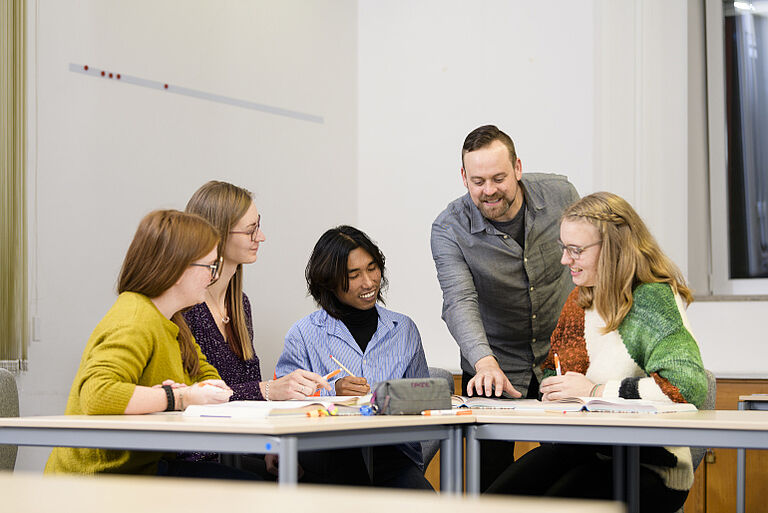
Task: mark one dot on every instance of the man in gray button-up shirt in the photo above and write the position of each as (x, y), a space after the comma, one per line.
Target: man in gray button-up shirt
(498, 262)
(503, 284)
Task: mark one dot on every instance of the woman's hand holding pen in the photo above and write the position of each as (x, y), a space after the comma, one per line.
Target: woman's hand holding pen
(299, 384)
(351, 385)
(571, 384)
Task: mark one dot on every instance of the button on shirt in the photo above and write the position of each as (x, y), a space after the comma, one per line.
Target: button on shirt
(499, 298)
(394, 351)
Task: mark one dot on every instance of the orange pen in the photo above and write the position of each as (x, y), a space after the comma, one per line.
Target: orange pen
(558, 369)
(459, 411)
(331, 374)
(326, 377)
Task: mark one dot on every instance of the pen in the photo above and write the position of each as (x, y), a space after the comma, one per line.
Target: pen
(461, 411)
(557, 365)
(331, 374)
(342, 366)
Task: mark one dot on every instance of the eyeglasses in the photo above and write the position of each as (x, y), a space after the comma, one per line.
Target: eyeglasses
(576, 251)
(254, 232)
(215, 268)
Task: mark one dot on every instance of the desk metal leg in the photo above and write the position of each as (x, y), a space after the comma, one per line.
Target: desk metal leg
(619, 466)
(473, 460)
(633, 479)
(446, 464)
(458, 459)
(289, 461)
(741, 474)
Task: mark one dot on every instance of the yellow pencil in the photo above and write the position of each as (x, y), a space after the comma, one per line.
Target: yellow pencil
(342, 366)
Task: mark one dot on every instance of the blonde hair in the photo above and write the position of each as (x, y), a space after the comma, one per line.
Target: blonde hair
(223, 205)
(165, 244)
(629, 256)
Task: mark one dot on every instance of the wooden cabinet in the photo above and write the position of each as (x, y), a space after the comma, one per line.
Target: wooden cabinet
(714, 490)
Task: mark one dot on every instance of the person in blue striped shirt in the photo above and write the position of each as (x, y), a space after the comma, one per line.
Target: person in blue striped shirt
(345, 275)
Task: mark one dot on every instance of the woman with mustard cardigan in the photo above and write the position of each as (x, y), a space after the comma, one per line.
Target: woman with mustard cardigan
(142, 357)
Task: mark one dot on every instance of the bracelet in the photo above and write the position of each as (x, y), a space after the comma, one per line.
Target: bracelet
(171, 404)
(594, 389)
(181, 399)
(266, 390)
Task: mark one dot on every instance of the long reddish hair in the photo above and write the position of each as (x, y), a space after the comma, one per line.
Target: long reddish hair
(166, 242)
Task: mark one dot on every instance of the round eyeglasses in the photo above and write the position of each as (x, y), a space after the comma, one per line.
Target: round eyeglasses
(575, 251)
(214, 267)
(253, 233)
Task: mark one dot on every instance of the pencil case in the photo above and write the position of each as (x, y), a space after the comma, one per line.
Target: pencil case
(411, 396)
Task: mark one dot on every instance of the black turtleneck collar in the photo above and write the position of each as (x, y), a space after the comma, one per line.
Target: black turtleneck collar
(361, 324)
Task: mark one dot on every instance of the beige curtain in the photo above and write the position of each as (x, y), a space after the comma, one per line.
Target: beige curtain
(14, 332)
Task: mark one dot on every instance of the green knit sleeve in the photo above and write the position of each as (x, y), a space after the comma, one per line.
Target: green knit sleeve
(112, 368)
(659, 342)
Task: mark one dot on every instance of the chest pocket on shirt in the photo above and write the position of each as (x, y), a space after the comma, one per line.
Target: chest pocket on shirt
(548, 268)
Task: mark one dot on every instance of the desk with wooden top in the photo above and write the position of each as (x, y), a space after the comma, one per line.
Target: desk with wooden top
(122, 494)
(172, 432)
(706, 428)
(746, 402)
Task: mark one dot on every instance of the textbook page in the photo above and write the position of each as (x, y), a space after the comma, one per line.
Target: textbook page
(262, 409)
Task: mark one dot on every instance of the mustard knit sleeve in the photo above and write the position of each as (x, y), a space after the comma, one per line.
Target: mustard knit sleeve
(112, 368)
(207, 371)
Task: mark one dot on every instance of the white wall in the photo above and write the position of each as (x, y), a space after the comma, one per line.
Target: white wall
(595, 90)
(108, 152)
(429, 73)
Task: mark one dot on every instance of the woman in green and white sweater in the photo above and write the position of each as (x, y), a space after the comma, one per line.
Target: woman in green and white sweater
(623, 332)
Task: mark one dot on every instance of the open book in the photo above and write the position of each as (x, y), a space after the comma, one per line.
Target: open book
(571, 404)
(346, 405)
(616, 404)
(479, 401)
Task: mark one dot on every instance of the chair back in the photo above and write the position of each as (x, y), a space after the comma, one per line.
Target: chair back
(438, 372)
(9, 407)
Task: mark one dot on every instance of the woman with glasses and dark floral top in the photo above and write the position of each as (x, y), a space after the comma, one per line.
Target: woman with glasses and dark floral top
(222, 324)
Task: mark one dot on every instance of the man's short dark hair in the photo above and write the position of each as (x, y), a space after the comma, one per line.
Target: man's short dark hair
(485, 135)
(327, 269)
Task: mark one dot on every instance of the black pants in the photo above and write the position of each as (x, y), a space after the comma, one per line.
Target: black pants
(390, 468)
(497, 455)
(563, 470)
(203, 469)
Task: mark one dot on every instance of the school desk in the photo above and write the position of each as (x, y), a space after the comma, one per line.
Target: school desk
(706, 428)
(33, 493)
(284, 436)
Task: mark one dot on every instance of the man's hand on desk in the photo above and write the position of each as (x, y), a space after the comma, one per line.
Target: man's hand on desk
(489, 378)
